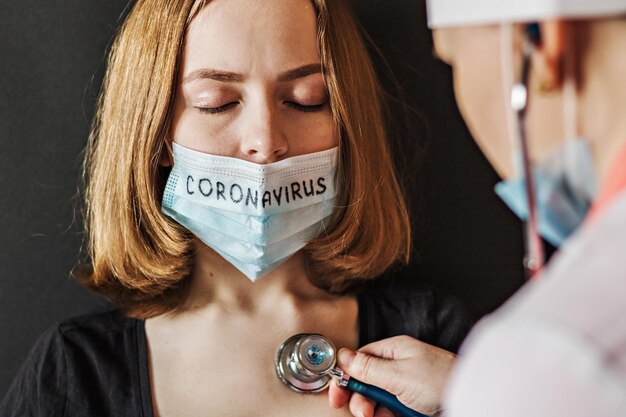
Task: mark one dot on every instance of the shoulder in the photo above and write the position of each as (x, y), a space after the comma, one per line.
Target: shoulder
(518, 366)
(98, 331)
(103, 350)
(70, 365)
(76, 340)
(583, 288)
(560, 335)
(584, 285)
(40, 387)
(392, 307)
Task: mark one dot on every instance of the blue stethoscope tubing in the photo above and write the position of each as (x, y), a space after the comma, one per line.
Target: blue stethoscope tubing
(382, 397)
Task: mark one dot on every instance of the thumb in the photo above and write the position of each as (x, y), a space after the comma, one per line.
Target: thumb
(369, 369)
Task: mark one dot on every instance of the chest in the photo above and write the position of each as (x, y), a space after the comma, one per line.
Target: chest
(228, 369)
(223, 390)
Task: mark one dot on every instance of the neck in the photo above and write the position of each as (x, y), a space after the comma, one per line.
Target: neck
(217, 283)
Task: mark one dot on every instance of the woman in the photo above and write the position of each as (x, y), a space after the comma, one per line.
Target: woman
(550, 73)
(239, 187)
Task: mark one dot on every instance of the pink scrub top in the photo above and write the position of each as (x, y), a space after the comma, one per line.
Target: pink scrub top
(558, 347)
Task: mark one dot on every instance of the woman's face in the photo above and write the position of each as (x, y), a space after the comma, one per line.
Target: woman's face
(250, 82)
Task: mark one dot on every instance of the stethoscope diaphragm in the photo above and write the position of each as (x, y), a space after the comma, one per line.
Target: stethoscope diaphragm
(304, 361)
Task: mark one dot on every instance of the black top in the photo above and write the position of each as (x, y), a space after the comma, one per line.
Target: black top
(97, 365)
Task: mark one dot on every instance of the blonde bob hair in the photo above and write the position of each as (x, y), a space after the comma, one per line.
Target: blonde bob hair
(141, 259)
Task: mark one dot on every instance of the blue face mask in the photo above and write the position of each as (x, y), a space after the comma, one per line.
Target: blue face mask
(255, 216)
(565, 185)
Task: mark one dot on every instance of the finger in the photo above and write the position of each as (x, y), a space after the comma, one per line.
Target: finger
(338, 397)
(383, 412)
(361, 406)
(369, 369)
(397, 347)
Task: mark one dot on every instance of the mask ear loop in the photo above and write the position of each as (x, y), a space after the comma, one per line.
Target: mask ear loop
(534, 257)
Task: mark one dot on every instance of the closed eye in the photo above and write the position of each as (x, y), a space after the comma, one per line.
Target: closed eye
(305, 108)
(216, 110)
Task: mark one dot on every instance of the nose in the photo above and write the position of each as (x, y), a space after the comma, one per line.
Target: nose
(264, 140)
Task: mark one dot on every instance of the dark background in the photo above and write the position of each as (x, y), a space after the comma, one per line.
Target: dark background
(52, 57)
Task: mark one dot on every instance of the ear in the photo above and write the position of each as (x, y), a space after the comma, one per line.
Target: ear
(166, 155)
(547, 64)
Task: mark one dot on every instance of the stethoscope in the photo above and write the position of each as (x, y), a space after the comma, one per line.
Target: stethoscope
(306, 363)
(534, 254)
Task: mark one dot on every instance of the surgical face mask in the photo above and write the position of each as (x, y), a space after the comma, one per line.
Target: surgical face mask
(255, 216)
(565, 186)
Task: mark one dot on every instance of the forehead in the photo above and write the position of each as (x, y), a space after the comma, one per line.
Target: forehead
(246, 35)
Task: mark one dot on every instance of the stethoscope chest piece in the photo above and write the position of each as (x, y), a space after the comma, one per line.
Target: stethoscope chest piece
(303, 362)
(306, 363)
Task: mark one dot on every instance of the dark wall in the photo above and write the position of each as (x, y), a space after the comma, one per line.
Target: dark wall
(465, 239)
(51, 63)
(49, 53)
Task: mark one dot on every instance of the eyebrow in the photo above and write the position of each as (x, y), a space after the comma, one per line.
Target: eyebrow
(233, 77)
(301, 72)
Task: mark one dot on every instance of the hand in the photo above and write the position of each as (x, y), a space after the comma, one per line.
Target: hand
(414, 371)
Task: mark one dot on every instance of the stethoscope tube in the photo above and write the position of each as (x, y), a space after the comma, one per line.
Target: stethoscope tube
(382, 397)
(534, 256)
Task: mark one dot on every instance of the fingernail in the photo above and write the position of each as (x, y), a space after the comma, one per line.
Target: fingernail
(345, 357)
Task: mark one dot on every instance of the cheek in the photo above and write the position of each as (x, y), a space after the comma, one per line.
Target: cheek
(201, 132)
(480, 95)
(310, 132)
